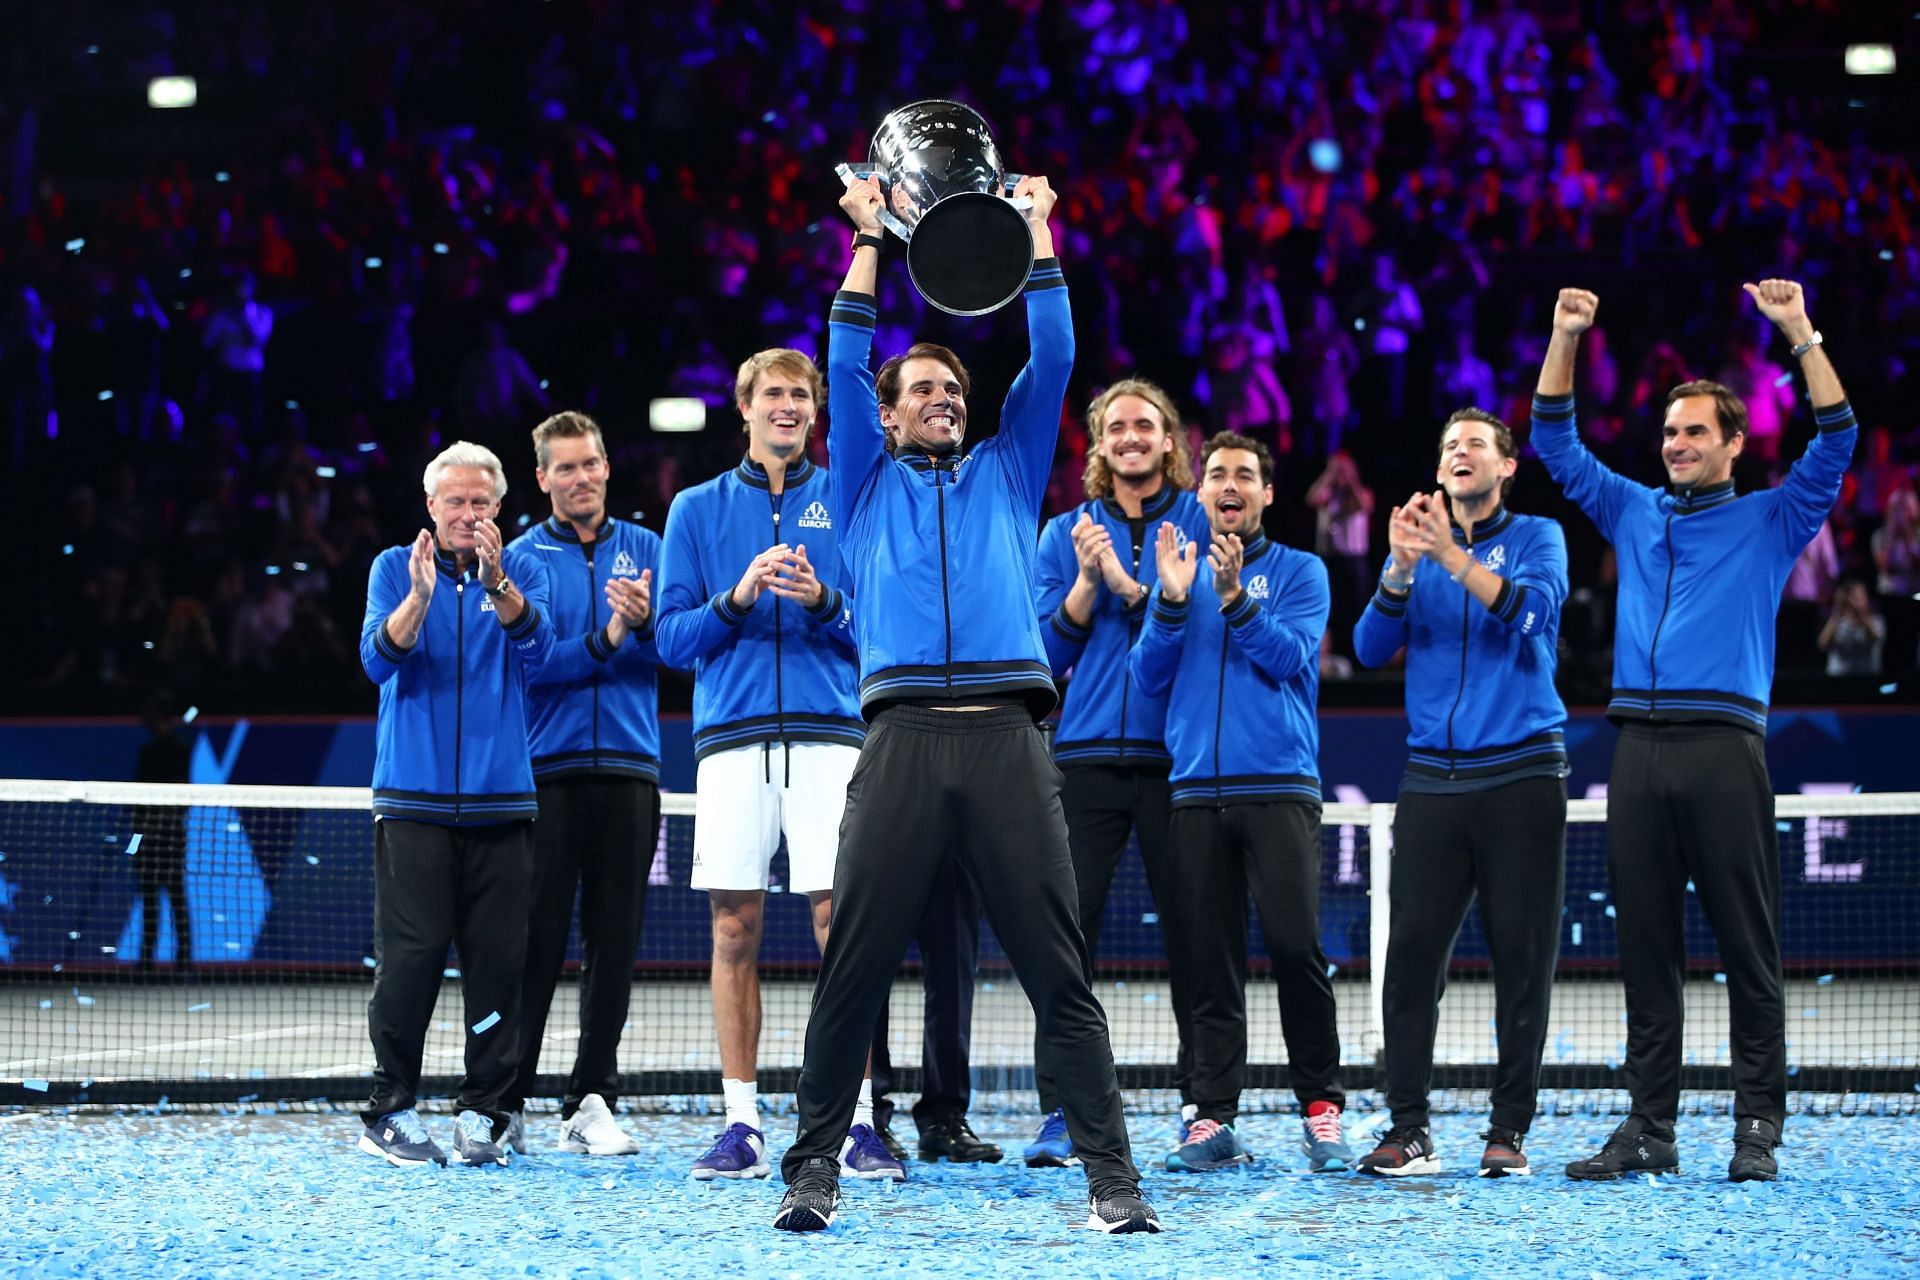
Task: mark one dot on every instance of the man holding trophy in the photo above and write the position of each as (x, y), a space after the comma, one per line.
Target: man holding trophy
(953, 675)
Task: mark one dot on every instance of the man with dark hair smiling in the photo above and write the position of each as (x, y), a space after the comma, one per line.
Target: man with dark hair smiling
(953, 681)
(1473, 592)
(1237, 652)
(1701, 573)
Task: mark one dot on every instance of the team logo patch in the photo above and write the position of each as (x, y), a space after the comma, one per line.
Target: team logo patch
(1496, 559)
(486, 604)
(624, 567)
(815, 517)
(1258, 588)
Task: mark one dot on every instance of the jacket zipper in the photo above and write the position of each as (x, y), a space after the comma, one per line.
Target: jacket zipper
(946, 599)
(1219, 708)
(1466, 609)
(1653, 648)
(1133, 633)
(459, 682)
(777, 502)
(593, 625)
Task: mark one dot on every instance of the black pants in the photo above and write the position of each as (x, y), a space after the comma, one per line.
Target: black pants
(432, 886)
(1271, 851)
(979, 786)
(1693, 802)
(160, 866)
(1103, 804)
(595, 836)
(949, 937)
(1508, 845)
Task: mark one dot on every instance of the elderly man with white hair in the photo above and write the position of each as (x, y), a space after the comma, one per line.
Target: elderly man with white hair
(450, 641)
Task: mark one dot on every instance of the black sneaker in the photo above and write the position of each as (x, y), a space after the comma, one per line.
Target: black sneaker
(1119, 1209)
(1503, 1157)
(1630, 1149)
(891, 1143)
(954, 1139)
(1405, 1152)
(1753, 1144)
(813, 1197)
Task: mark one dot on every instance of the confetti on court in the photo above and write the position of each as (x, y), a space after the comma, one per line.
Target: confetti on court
(133, 845)
(38, 1086)
(487, 1023)
(201, 1007)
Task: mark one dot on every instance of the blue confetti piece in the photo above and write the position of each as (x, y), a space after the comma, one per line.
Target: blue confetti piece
(1825, 980)
(46, 1004)
(1596, 896)
(1612, 913)
(133, 845)
(38, 1086)
(312, 861)
(487, 1023)
(368, 961)
(85, 1002)
(449, 973)
(1720, 978)
(1810, 1013)
(1783, 826)
(1150, 917)
(200, 1008)
(1332, 969)
(1888, 688)
(1576, 933)
(1783, 380)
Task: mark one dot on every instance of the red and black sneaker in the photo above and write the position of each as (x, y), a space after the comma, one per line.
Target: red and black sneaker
(1503, 1157)
(1406, 1151)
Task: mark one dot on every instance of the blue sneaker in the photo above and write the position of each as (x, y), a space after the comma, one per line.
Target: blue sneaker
(1209, 1146)
(740, 1152)
(863, 1155)
(1052, 1148)
(401, 1140)
(1326, 1150)
(473, 1140)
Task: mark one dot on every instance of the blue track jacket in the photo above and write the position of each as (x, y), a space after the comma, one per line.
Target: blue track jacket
(450, 746)
(1245, 682)
(1107, 719)
(777, 672)
(1481, 706)
(595, 710)
(1701, 570)
(942, 549)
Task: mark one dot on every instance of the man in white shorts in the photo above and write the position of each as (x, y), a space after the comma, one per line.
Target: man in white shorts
(749, 602)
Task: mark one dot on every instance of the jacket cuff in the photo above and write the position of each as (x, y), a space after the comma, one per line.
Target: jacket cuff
(1046, 275)
(1170, 612)
(522, 627)
(1834, 417)
(599, 646)
(723, 605)
(1067, 627)
(829, 607)
(855, 309)
(384, 646)
(1554, 409)
(1506, 606)
(1241, 611)
(1390, 605)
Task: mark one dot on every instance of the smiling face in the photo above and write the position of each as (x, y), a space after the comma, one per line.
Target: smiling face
(1134, 439)
(575, 477)
(779, 411)
(931, 413)
(460, 501)
(1472, 466)
(1692, 446)
(1232, 492)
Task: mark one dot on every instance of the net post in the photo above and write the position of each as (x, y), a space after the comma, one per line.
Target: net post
(1379, 915)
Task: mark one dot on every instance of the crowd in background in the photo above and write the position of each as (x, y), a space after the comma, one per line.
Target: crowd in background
(231, 337)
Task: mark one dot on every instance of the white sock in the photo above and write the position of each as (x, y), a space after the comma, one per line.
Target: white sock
(1190, 1112)
(743, 1102)
(863, 1109)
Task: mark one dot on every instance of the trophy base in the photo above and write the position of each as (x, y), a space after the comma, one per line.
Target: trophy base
(971, 254)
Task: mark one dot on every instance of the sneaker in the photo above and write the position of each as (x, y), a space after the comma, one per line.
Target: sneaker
(954, 1139)
(516, 1139)
(473, 1140)
(1753, 1144)
(740, 1152)
(1210, 1145)
(864, 1156)
(1405, 1152)
(1630, 1149)
(1119, 1209)
(891, 1143)
(1320, 1138)
(1503, 1157)
(401, 1140)
(1051, 1148)
(593, 1131)
(813, 1197)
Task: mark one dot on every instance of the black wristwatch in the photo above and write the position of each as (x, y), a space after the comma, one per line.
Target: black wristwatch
(506, 585)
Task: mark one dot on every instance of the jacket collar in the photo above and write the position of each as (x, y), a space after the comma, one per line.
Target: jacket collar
(565, 531)
(1482, 529)
(752, 473)
(1150, 508)
(948, 462)
(1253, 548)
(445, 559)
(1703, 496)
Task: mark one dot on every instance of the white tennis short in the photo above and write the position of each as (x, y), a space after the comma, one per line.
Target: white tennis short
(745, 798)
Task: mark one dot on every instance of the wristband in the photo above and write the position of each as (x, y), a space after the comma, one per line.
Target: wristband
(1808, 345)
(864, 240)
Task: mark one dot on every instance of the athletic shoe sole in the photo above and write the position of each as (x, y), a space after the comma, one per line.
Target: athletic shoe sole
(1673, 1172)
(1137, 1224)
(873, 1175)
(1506, 1171)
(373, 1148)
(803, 1218)
(1177, 1165)
(457, 1158)
(1419, 1167)
(576, 1147)
(751, 1171)
(1052, 1162)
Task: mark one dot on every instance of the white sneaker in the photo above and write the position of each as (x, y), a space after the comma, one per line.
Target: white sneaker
(593, 1131)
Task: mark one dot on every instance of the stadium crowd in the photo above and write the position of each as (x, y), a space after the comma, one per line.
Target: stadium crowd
(386, 227)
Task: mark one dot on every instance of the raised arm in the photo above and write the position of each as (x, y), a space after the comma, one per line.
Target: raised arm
(1812, 485)
(399, 589)
(1030, 419)
(856, 442)
(1600, 493)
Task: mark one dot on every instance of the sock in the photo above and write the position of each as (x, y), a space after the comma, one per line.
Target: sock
(863, 1109)
(743, 1102)
(1190, 1112)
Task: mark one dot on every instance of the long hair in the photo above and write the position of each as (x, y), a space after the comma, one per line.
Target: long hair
(1176, 466)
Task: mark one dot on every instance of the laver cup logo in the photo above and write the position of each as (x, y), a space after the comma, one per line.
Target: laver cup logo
(815, 517)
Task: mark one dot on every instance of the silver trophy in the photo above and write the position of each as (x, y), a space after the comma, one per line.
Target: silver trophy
(946, 194)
